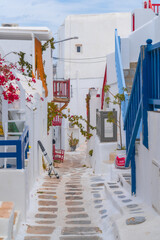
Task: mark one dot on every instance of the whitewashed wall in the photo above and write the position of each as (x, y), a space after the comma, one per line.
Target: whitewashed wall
(15, 188)
(36, 119)
(148, 164)
(60, 53)
(142, 16)
(130, 47)
(96, 34)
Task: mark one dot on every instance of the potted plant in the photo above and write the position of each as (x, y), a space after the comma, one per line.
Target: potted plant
(73, 142)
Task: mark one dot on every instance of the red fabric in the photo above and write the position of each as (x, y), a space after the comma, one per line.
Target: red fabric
(150, 4)
(133, 22)
(104, 83)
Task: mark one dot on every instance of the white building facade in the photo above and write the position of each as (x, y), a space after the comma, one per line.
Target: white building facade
(18, 183)
(83, 60)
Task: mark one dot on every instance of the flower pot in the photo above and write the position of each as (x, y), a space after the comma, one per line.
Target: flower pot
(120, 159)
(73, 148)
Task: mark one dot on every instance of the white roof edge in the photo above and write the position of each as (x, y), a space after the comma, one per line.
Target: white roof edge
(46, 29)
(24, 33)
(96, 14)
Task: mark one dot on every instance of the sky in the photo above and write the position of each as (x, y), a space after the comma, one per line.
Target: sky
(51, 13)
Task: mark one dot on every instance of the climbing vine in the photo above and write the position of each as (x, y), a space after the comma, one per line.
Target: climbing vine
(90, 152)
(74, 119)
(87, 99)
(25, 66)
(88, 110)
(46, 44)
(52, 112)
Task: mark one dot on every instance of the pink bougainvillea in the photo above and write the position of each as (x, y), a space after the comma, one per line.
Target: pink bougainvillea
(33, 80)
(10, 94)
(29, 98)
(8, 81)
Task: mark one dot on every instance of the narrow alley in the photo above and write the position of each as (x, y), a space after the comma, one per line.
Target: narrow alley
(70, 208)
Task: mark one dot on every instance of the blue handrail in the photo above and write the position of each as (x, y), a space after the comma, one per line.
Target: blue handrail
(22, 147)
(145, 96)
(120, 74)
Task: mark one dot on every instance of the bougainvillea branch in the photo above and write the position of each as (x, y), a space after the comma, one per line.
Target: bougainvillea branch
(74, 119)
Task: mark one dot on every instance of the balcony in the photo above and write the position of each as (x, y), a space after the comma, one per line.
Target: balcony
(61, 91)
(57, 121)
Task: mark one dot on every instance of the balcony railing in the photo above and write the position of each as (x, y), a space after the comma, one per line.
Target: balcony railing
(22, 147)
(57, 121)
(154, 6)
(61, 90)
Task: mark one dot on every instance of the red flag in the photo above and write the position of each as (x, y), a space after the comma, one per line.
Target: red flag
(104, 83)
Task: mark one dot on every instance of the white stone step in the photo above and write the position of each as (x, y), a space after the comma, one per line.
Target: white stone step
(6, 219)
(16, 223)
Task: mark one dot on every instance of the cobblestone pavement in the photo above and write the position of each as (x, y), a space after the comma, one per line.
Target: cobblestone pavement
(70, 208)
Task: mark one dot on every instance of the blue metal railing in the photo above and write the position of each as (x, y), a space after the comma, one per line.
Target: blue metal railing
(132, 121)
(154, 74)
(22, 147)
(120, 74)
(134, 112)
(145, 96)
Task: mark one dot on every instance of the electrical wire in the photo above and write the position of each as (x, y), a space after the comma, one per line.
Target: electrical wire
(67, 61)
(56, 58)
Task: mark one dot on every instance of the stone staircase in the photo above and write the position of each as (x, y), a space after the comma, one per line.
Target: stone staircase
(9, 221)
(129, 76)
